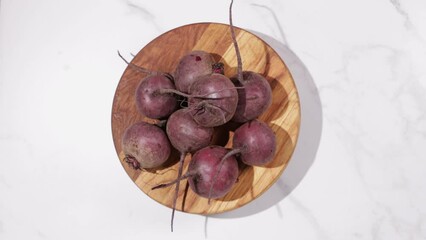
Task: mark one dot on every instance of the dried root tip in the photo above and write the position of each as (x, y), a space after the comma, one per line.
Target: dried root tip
(219, 68)
(133, 163)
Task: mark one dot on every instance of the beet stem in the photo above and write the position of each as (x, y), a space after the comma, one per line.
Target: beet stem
(200, 108)
(230, 153)
(181, 160)
(144, 70)
(164, 91)
(163, 185)
(183, 103)
(161, 123)
(167, 90)
(204, 96)
(237, 49)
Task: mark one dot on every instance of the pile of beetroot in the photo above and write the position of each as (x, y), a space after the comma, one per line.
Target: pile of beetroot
(193, 102)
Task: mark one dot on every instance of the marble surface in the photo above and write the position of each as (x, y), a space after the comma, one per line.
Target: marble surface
(359, 168)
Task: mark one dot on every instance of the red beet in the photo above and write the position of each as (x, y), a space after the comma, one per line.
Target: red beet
(211, 173)
(150, 102)
(255, 94)
(145, 146)
(210, 176)
(154, 94)
(254, 98)
(186, 136)
(219, 102)
(192, 66)
(255, 142)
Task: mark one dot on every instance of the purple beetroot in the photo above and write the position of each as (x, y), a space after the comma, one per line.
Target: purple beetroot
(192, 66)
(145, 146)
(211, 173)
(216, 100)
(187, 137)
(185, 134)
(212, 177)
(255, 142)
(254, 92)
(150, 102)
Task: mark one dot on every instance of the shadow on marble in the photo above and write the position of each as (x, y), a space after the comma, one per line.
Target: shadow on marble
(308, 141)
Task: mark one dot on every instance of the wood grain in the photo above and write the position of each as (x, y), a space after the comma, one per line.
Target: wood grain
(283, 116)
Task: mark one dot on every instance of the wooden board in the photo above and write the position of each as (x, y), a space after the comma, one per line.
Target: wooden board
(283, 116)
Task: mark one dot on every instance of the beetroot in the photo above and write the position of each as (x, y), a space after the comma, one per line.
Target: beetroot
(255, 96)
(255, 142)
(211, 173)
(219, 102)
(186, 136)
(144, 70)
(145, 146)
(192, 66)
(210, 176)
(150, 102)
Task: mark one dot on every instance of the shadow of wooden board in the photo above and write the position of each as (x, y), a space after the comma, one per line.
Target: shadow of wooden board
(163, 54)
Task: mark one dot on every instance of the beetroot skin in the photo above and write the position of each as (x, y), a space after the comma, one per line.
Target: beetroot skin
(203, 168)
(185, 134)
(256, 142)
(254, 94)
(192, 66)
(254, 98)
(145, 146)
(219, 102)
(150, 102)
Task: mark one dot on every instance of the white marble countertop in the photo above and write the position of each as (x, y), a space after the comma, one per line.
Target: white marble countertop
(358, 171)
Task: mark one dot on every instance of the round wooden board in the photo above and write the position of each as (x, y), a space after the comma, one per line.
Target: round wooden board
(163, 54)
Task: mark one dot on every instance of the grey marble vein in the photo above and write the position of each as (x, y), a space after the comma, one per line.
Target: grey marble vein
(402, 12)
(312, 219)
(407, 20)
(144, 14)
(276, 20)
